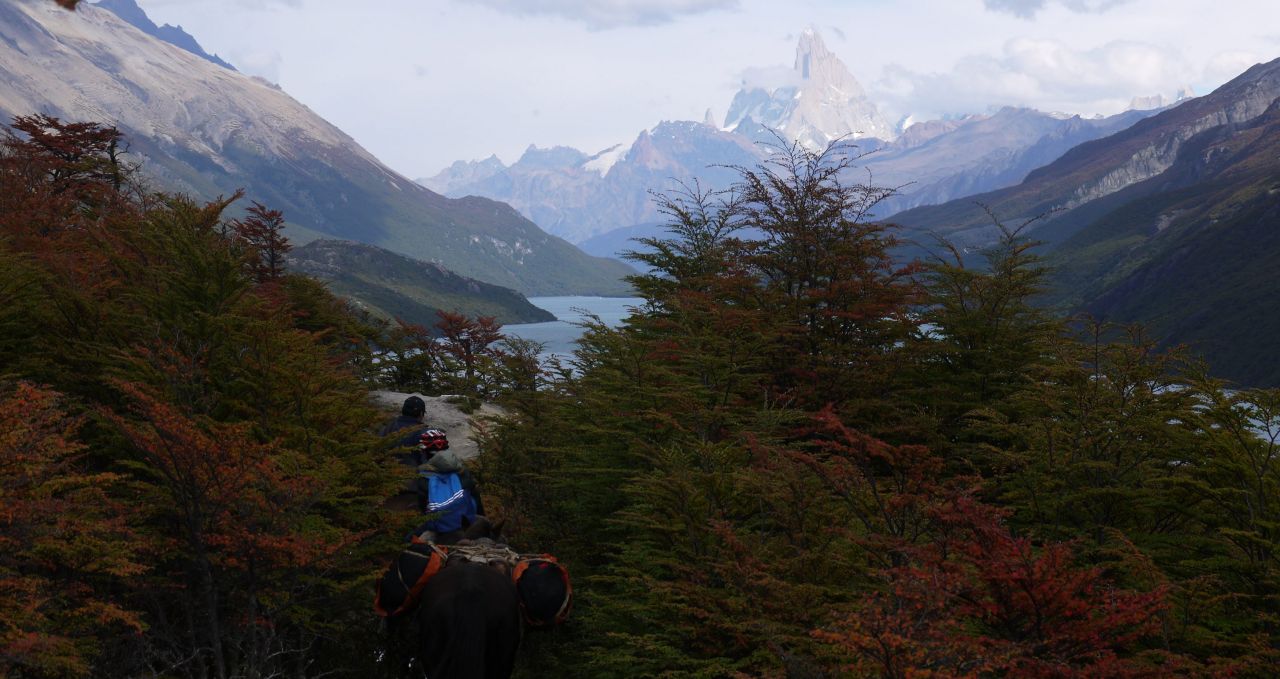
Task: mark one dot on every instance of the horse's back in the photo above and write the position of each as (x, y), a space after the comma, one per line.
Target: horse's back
(469, 617)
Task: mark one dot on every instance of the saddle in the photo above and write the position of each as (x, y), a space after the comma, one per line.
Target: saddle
(401, 586)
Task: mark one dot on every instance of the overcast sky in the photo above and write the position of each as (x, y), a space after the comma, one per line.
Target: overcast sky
(422, 83)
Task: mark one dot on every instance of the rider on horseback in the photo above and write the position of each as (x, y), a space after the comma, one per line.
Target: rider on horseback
(446, 492)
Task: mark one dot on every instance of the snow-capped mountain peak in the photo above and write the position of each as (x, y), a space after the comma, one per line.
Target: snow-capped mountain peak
(822, 102)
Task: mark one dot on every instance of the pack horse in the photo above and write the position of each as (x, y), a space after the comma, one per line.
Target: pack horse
(470, 603)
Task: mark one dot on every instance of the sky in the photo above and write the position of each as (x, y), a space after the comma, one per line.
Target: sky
(422, 83)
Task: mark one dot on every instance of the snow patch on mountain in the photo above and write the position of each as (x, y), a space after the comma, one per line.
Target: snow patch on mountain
(603, 161)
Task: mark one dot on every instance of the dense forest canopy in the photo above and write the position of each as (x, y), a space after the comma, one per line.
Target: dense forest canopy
(796, 458)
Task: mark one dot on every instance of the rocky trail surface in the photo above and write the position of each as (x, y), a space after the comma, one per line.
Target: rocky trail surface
(441, 413)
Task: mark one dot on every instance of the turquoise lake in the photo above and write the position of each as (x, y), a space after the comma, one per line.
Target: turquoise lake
(558, 337)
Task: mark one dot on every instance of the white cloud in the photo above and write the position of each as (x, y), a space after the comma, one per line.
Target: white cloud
(1027, 9)
(1045, 74)
(768, 78)
(1227, 65)
(264, 63)
(600, 14)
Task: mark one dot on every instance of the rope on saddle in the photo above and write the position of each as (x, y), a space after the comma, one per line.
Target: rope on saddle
(485, 551)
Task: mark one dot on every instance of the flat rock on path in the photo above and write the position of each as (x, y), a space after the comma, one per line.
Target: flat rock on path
(441, 414)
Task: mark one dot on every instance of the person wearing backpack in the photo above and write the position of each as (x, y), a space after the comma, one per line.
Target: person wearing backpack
(446, 492)
(410, 424)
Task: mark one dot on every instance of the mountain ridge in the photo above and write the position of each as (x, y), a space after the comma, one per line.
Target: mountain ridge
(207, 131)
(933, 162)
(1095, 169)
(174, 35)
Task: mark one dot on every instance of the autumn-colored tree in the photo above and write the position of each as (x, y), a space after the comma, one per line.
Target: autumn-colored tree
(827, 276)
(241, 523)
(64, 539)
(979, 601)
(229, 415)
(410, 360)
(473, 346)
(262, 232)
(56, 174)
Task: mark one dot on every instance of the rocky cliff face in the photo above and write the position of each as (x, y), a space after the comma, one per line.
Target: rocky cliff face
(1250, 99)
(823, 102)
(952, 159)
(1192, 253)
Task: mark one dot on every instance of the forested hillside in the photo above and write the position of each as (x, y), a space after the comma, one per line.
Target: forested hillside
(392, 286)
(799, 457)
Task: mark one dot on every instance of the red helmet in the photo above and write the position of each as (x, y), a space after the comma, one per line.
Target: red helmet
(433, 440)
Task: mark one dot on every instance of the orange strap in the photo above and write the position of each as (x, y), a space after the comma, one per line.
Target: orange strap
(435, 561)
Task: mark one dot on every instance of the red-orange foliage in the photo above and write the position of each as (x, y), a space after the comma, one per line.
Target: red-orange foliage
(57, 175)
(243, 514)
(887, 489)
(263, 232)
(470, 341)
(239, 433)
(239, 496)
(980, 601)
(59, 534)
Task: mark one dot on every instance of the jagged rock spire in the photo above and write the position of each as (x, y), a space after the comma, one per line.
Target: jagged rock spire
(824, 101)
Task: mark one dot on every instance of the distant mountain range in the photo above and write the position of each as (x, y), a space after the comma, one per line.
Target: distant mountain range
(207, 130)
(578, 196)
(1173, 222)
(391, 285)
(583, 197)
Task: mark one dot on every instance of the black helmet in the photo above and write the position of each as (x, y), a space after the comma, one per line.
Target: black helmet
(413, 407)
